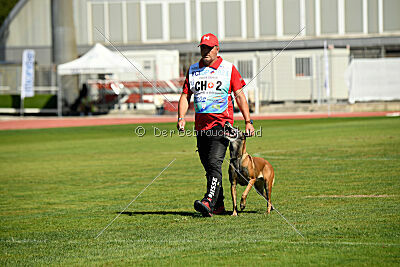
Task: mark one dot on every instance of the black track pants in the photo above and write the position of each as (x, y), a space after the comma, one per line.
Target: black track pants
(212, 148)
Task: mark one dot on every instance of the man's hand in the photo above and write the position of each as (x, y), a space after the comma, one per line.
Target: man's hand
(181, 124)
(249, 129)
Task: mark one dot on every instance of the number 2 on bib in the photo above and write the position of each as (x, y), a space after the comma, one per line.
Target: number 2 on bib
(219, 83)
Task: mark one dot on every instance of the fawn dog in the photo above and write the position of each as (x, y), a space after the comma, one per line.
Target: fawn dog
(246, 170)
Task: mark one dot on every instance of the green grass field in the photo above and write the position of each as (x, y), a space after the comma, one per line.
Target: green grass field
(61, 187)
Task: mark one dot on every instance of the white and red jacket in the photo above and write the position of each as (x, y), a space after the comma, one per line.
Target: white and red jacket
(212, 87)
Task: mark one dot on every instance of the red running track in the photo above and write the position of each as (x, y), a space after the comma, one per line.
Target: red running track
(41, 123)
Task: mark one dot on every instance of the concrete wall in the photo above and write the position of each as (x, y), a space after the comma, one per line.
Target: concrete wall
(166, 21)
(141, 24)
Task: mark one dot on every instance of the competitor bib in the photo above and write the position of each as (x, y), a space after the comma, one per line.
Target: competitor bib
(210, 87)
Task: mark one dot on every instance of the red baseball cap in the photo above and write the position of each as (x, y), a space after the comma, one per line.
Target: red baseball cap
(209, 39)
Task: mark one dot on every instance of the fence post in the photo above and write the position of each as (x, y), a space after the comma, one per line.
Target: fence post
(257, 87)
(272, 77)
(21, 106)
(312, 79)
(59, 96)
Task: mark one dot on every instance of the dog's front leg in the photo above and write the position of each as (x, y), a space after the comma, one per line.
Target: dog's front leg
(246, 191)
(232, 179)
(233, 192)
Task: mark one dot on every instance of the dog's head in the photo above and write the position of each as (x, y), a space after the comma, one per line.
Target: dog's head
(236, 139)
(233, 134)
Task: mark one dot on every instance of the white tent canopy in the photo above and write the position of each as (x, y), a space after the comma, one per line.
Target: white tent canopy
(99, 59)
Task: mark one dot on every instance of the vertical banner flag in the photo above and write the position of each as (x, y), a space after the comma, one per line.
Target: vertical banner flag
(28, 73)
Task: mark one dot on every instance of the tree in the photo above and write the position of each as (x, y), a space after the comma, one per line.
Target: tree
(5, 7)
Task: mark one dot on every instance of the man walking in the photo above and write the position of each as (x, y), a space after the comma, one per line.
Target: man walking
(211, 81)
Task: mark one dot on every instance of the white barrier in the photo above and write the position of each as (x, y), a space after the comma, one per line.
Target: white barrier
(373, 79)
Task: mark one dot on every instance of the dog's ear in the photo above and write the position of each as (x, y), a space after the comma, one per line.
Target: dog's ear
(228, 124)
(231, 133)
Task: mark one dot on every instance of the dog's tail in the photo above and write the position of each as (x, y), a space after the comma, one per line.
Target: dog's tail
(273, 177)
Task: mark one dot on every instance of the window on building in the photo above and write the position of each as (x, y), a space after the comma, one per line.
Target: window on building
(98, 21)
(154, 21)
(115, 22)
(310, 17)
(303, 67)
(245, 68)
(373, 16)
(209, 17)
(391, 20)
(291, 17)
(147, 65)
(329, 17)
(133, 21)
(267, 13)
(353, 16)
(177, 24)
(232, 19)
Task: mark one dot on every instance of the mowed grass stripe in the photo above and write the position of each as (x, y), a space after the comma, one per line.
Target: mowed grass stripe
(60, 187)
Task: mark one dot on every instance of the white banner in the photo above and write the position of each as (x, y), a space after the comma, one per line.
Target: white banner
(28, 73)
(375, 79)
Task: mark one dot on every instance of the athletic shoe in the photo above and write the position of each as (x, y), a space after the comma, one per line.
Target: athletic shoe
(203, 207)
(220, 210)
